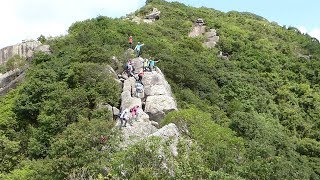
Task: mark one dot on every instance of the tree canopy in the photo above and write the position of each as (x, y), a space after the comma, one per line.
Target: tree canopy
(254, 115)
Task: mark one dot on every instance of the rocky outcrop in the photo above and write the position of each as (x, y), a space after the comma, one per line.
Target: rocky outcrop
(169, 132)
(211, 38)
(127, 96)
(137, 132)
(157, 98)
(43, 48)
(157, 101)
(10, 80)
(198, 29)
(9, 76)
(24, 49)
(158, 95)
(157, 106)
(154, 15)
(149, 18)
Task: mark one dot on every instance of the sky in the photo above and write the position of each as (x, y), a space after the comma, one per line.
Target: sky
(28, 19)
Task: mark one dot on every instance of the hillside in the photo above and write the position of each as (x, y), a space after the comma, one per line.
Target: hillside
(252, 113)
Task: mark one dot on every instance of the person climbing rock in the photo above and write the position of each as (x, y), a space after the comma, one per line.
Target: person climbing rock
(129, 69)
(134, 113)
(152, 64)
(145, 64)
(130, 40)
(138, 49)
(124, 117)
(140, 75)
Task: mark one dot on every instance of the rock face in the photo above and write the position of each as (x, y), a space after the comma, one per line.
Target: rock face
(154, 15)
(43, 48)
(158, 94)
(169, 132)
(149, 18)
(157, 106)
(10, 80)
(199, 29)
(24, 49)
(211, 38)
(156, 102)
(7, 77)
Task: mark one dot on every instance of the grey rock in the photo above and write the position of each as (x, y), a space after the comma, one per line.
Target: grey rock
(197, 31)
(156, 124)
(155, 14)
(138, 131)
(169, 132)
(24, 49)
(43, 48)
(111, 71)
(211, 38)
(9, 76)
(137, 63)
(157, 106)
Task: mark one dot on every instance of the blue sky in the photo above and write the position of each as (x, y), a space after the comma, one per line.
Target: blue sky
(284, 12)
(21, 19)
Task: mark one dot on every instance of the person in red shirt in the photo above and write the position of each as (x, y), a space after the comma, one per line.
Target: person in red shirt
(141, 73)
(130, 42)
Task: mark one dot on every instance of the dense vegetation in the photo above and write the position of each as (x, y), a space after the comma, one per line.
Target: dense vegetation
(254, 115)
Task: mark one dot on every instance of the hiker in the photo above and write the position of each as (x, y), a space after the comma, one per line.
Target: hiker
(130, 42)
(129, 69)
(138, 49)
(134, 112)
(145, 64)
(152, 64)
(141, 73)
(124, 117)
(139, 88)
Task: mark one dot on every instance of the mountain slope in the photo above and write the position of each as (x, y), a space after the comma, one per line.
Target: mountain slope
(254, 115)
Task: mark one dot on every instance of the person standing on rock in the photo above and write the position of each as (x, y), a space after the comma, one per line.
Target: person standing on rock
(152, 64)
(130, 40)
(124, 117)
(139, 89)
(145, 64)
(138, 49)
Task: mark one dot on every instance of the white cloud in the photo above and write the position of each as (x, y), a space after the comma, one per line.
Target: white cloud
(302, 29)
(21, 19)
(315, 33)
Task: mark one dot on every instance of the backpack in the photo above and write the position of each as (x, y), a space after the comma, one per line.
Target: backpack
(125, 66)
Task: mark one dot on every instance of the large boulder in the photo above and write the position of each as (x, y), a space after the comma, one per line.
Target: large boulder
(211, 38)
(127, 101)
(155, 84)
(9, 76)
(111, 71)
(154, 15)
(43, 48)
(24, 49)
(138, 131)
(169, 132)
(157, 106)
(155, 90)
(137, 63)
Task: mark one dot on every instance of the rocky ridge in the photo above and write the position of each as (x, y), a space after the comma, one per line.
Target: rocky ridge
(156, 101)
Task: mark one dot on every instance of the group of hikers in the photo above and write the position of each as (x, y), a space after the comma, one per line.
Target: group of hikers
(128, 115)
